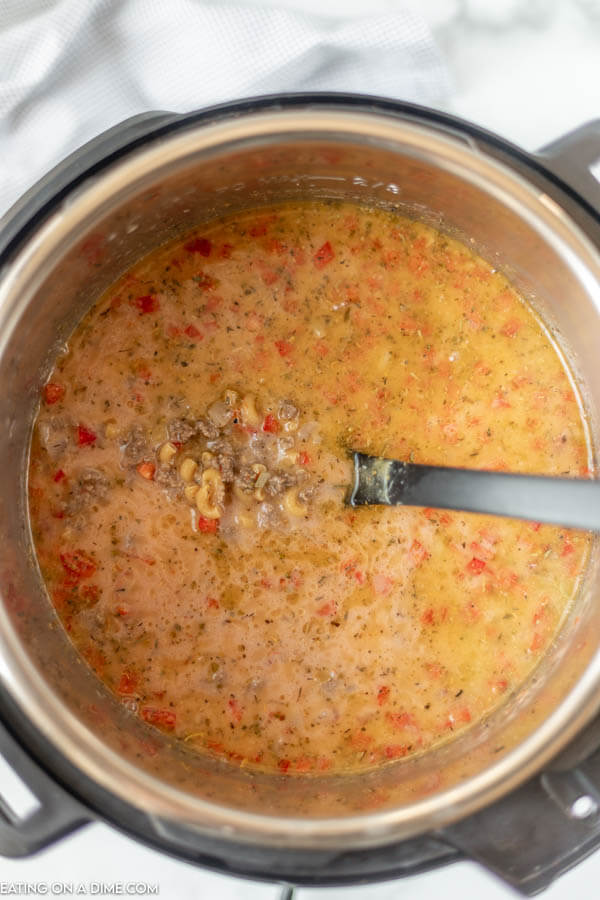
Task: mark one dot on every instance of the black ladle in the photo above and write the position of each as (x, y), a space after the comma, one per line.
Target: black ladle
(572, 502)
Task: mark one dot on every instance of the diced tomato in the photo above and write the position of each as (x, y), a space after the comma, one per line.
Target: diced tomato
(59, 476)
(328, 609)
(383, 694)
(428, 617)
(78, 564)
(418, 553)
(90, 594)
(128, 683)
(476, 566)
(143, 373)
(400, 720)
(507, 580)
(162, 718)
(434, 669)
(212, 603)
(567, 547)
(234, 756)
(395, 751)
(271, 425)
(360, 740)
(146, 304)
(199, 245)
(500, 401)
(268, 275)
(205, 283)
(458, 717)
(277, 246)
(324, 255)
(95, 657)
(304, 458)
(511, 328)
(382, 584)
(537, 642)
(85, 436)
(235, 709)
(283, 765)
(53, 393)
(351, 570)
(193, 332)
(261, 225)
(146, 470)
(284, 347)
(207, 526)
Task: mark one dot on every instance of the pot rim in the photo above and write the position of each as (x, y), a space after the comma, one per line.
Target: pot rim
(26, 686)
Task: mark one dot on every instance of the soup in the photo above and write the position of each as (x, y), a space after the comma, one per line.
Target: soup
(188, 471)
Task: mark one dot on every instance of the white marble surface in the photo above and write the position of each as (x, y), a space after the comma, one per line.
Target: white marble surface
(529, 70)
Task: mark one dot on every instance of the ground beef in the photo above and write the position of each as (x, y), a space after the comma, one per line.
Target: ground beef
(136, 445)
(207, 429)
(246, 479)
(181, 430)
(226, 467)
(287, 410)
(91, 486)
(279, 482)
(224, 453)
(221, 446)
(94, 483)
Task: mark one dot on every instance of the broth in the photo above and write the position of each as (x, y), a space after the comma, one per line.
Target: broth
(189, 464)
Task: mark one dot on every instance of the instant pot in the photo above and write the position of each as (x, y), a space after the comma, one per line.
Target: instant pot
(520, 791)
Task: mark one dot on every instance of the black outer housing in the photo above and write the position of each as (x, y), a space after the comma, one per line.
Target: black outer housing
(527, 838)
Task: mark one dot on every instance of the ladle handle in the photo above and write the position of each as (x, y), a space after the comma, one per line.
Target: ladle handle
(571, 502)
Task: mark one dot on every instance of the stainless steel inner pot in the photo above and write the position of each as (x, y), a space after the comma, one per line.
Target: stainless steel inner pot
(157, 190)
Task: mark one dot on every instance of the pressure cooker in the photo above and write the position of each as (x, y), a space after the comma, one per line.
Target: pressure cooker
(520, 791)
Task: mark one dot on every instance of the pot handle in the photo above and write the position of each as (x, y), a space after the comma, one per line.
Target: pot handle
(575, 158)
(545, 827)
(57, 813)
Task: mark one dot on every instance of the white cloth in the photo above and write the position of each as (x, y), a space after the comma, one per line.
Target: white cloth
(71, 68)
